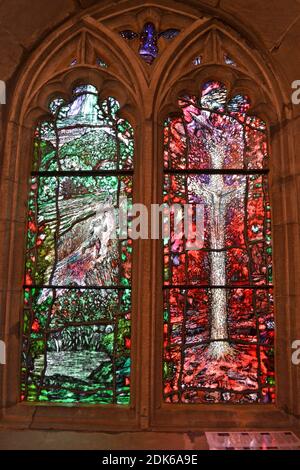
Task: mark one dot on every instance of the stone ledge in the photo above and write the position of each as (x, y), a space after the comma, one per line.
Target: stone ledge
(62, 440)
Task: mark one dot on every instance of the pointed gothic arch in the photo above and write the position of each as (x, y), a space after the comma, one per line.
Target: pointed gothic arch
(146, 97)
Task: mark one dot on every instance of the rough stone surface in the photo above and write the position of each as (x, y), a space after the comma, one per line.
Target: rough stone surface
(62, 440)
(51, 440)
(287, 51)
(27, 21)
(270, 20)
(87, 3)
(11, 54)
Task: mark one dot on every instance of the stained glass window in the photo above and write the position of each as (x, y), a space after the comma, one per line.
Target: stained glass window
(197, 60)
(218, 304)
(149, 37)
(228, 60)
(77, 292)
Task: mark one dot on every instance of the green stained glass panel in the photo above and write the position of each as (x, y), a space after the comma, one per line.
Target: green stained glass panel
(85, 135)
(76, 345)
(77, 289)
(73, 231)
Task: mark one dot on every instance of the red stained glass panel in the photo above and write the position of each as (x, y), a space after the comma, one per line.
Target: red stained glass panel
(218, 304)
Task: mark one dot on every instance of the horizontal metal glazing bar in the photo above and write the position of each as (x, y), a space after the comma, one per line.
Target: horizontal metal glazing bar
(209, 286)
(44, 286)
(83, 173)
(216, 171)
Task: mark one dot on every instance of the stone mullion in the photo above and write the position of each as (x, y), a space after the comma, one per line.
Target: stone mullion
(14, 191)
(143, 269)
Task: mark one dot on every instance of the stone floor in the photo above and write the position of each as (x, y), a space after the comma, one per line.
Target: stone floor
(65, 440)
